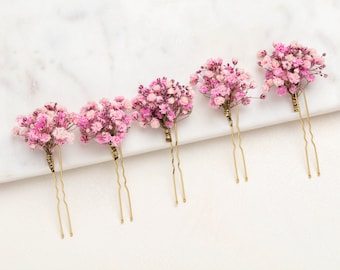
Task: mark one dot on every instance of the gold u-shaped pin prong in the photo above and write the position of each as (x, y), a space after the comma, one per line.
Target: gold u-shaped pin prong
(173, 171)
(169, 140)
(115, 156)
(227, 114)
(179, 163)
(234, 152)
(240, 144)
(50, 162)
(63, 190)
(125, 182)
(311, 133)
(297, 106)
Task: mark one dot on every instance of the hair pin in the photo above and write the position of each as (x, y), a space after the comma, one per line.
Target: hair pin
(48, 128)
(289, 69)
(163, 104)
(108, 123)
(226, 86)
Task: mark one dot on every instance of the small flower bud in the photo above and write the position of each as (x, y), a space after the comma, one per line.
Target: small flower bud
(235, 61)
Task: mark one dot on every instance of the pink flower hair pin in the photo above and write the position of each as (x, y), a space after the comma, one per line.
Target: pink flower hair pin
(108, 123)
(48, 128)
(163, 104)
(226, 86)
(289, 69)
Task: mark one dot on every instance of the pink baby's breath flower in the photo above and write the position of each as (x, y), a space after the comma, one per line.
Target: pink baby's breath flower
(234, 61)
(90, 114)
(266, 62)
(292, 68)
(154, 123)
(184, 101)
(116, 140)
(96, 127)
(118, 114)
(173, 101)
(193, 79)
(282, 90)
(203, 89)
(103, 137)
(46, 127)
(61, 134)
(218, 101)
(278, 73)
(278, 82)
(292, 89)
(151, 97)
(307, 64)
(275, 64)
(310, 77)
(106, 121)
(240, 95)
(225, 83)
(261, 54)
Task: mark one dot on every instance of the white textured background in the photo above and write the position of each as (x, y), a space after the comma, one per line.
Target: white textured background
(73, 51)
(278, 220)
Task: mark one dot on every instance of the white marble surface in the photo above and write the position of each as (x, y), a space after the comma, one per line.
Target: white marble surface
(279, 220)
(75, 51)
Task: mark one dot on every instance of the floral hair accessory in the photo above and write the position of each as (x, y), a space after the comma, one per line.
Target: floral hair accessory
(107, 123)
(162, 104)
(289, 69)
(226, 86)
(48, 128)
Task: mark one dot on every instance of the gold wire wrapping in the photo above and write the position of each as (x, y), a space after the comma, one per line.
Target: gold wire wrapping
(117, 154)
(227, 114)
(167, 135)
(295, 102)
(296, 106)
(50, 162)
(114, 152)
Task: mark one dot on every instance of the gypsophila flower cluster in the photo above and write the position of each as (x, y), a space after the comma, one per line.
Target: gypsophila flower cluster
(162, 103)
(290, 68)
(223, 83)
(46, 127)
(106, 122)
